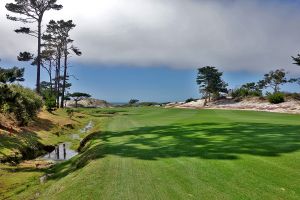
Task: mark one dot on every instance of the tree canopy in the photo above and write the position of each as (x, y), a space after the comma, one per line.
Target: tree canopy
(32, 11)
(78, 96)
(296, 60)
(57, 39)
(11, 75)
(210, 82)
(274, 79)
(133, 101)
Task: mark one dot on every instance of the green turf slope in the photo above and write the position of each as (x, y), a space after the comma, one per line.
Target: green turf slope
(154, 153)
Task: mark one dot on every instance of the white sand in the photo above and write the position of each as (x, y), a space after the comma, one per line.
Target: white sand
(291, 106)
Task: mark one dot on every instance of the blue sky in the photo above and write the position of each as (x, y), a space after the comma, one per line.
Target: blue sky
(162, 84)
(150, 49)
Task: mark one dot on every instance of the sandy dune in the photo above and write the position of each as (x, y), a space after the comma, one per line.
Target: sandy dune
(291, 106)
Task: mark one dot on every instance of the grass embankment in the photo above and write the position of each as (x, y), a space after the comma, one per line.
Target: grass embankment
(149, 153)
(48, 129)
(45, 131)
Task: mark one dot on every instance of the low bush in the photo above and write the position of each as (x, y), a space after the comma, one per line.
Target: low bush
(294, 96)
(22, 102)
(148, 104)
(276, 98)
(50, 102)
(244, 92)
(190, 100)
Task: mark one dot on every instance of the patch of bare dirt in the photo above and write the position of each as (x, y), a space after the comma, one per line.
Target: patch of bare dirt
(8, 125)
(38, 164)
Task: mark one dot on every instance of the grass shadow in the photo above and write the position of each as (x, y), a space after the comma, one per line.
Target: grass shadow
(25, 143)
(38, 125)
(226, 141)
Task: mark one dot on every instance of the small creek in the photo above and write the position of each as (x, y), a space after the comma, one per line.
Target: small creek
(63, 151)
(88, 127)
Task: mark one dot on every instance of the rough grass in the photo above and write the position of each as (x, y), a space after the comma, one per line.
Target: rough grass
(48, 129)
(149, 153)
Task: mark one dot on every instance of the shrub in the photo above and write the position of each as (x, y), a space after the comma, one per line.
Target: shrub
(238, 93)
(22, 102)
(276, 98)
(5, 108)
(294, 96)
(148, 104)
(50, 102)
(190, 100)
(5, 94)
(244, 92)
(28, 103)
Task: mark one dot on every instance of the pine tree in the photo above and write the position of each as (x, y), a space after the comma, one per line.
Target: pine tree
(210, 82)
(274, 79)
(32, 11)
(78, 96)
(58, 36)
(11, 75)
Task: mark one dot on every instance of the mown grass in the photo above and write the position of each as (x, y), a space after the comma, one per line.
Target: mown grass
(154, 153)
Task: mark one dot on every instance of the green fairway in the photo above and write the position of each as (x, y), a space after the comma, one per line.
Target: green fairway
(154, 153)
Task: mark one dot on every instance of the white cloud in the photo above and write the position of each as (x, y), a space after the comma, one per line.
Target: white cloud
(236, 35)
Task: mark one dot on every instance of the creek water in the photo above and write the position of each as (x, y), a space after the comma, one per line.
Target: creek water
(88, 127)
(62, 152)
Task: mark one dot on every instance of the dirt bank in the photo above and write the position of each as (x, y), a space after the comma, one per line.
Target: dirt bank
(39, 137)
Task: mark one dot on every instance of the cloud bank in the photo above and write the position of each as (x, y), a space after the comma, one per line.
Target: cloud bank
(232, 35)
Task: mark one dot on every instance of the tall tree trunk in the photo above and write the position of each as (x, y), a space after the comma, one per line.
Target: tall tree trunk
(64, 79)
(50, 77)
(205, 99)
(58, 78)
(55, 79)
(38, 75)
(276, 89)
